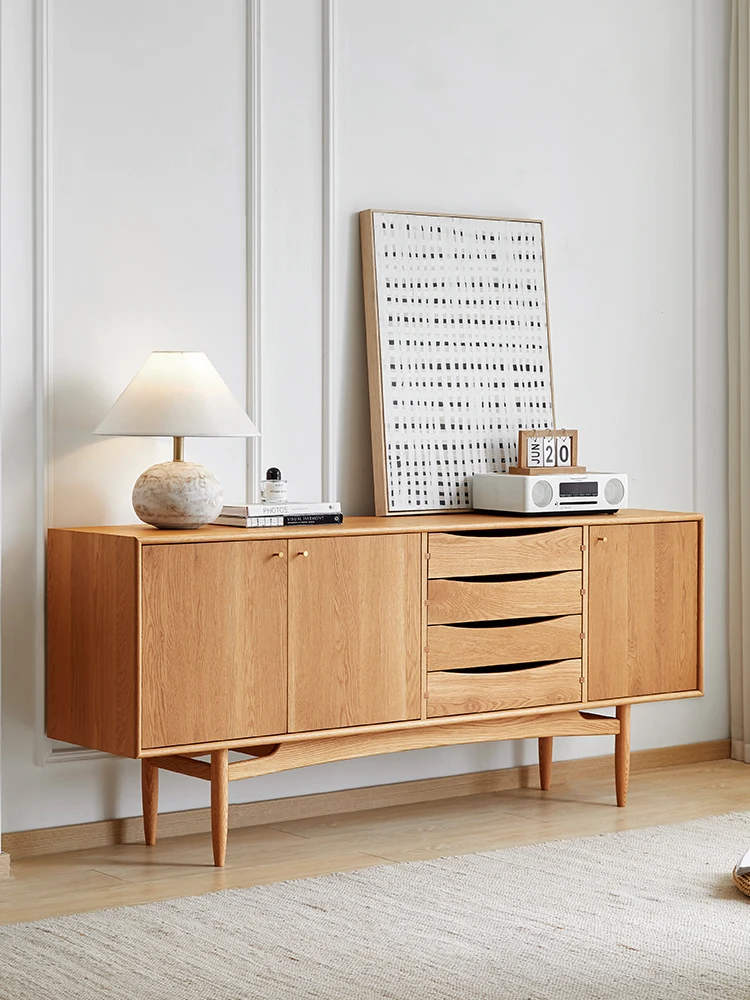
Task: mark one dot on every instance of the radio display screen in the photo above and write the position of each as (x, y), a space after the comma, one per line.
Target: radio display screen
(579, 489)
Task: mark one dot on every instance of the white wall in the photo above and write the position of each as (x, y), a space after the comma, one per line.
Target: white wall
(606, 118)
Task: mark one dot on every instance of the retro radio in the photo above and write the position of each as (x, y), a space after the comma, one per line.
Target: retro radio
(586, 492)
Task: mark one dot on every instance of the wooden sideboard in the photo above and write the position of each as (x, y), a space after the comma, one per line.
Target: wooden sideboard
(295, 646)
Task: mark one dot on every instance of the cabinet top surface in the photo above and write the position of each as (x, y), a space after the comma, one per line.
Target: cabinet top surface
(147, 535)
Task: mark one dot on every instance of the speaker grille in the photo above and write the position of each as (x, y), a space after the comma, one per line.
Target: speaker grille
(541, 493)
(614, 491)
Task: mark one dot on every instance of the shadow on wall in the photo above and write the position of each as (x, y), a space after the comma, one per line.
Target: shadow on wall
(75, 408)
(352, 402)
(80, 493)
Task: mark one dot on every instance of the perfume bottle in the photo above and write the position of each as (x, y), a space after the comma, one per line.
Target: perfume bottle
(273, 487)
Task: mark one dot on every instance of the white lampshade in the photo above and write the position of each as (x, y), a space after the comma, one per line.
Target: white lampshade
(177, 394)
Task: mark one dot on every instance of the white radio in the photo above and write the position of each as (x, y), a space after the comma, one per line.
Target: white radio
(556, 494)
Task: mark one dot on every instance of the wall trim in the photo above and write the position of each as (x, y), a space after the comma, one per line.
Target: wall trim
(695, 19)
(43, 414)
(106, 833)
(328, 317)
(253, 218)
(46, 751)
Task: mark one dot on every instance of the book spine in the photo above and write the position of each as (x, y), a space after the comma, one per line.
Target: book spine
(276, 509)
(230, 521)
(297, 519)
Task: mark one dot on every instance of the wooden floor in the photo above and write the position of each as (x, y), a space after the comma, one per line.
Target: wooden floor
(133, 873)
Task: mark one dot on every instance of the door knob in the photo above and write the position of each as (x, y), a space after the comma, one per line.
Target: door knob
(305, 553)
(279, 554)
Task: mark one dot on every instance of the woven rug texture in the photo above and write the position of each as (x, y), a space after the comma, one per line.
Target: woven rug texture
(644, 914)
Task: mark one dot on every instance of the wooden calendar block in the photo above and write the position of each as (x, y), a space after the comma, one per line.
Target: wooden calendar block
(547, 451)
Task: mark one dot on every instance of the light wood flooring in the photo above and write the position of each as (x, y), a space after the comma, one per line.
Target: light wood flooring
(127, 874)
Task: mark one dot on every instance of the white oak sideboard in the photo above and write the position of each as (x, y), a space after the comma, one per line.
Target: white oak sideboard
(296, 646)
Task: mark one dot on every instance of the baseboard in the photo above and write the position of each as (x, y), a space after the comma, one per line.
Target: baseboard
(55, 840)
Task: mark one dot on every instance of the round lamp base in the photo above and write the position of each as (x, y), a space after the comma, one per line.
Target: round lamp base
(177, 495)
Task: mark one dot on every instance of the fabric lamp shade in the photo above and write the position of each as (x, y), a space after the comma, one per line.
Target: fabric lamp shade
(177, 394)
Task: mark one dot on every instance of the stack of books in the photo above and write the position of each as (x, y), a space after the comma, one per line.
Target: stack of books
(278, 515)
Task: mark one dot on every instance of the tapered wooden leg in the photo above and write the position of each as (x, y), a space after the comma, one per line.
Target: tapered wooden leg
(622, 754)
(219, 804)
(150, 796)
(545, 762)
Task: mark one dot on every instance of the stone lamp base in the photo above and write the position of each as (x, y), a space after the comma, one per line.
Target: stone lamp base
(177, 495)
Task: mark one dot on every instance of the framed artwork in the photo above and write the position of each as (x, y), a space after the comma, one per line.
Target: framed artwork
(458, 351)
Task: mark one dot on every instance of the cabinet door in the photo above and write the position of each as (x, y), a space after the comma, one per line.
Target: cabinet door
(214, 642)
(354, 630)
(644, 629)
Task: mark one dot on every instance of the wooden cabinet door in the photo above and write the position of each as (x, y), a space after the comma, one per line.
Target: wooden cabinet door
(354, 630)
(214, 642)
(644, 606)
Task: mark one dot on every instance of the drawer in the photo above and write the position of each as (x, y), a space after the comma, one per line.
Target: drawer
(452, 647)
(461, 693)
(481, 600)
(533, 551)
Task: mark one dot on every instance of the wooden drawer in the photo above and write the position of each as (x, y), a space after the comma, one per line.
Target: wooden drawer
(452, 647)
(459, 693)
(490, 600)
(533, 551)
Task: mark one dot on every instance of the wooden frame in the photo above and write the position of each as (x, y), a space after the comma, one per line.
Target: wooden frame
(378, 419)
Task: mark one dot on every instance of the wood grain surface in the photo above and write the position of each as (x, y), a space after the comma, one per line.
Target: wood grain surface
(379, 526)
(93, 653)
(214, 642)
(453, 647)
(643, 609)
(481, 555)
(355, 620)
(346, 747)
(488, 600)
(452, 693)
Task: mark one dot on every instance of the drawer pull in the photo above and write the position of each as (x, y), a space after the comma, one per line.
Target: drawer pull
(305, 553)
(501, 623)
(279, 555)
(506, 668)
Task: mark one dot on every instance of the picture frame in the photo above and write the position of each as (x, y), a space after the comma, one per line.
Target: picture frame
(458, 351)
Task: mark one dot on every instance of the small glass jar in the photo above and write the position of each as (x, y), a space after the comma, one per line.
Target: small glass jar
(273, 487)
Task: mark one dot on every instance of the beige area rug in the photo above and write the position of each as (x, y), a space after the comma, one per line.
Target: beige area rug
(644, 915)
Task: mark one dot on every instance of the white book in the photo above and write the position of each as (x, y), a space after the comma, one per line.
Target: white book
(267, 509)
(269, 521)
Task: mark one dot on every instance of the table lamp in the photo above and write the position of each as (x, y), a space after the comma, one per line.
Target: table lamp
(177, 394)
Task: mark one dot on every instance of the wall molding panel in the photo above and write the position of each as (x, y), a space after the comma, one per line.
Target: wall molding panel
(47, 751)
(328, 58)
(253, 219)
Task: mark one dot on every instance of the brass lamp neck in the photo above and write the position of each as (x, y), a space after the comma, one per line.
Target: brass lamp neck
(178, 454)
